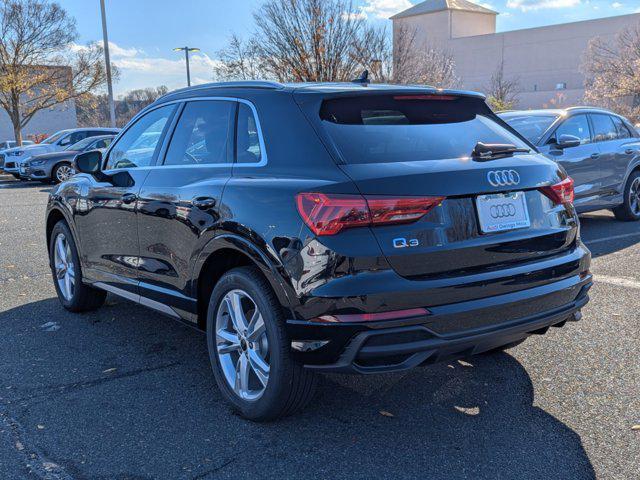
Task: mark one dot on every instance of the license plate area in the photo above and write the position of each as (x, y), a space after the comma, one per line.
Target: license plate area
(500, 212)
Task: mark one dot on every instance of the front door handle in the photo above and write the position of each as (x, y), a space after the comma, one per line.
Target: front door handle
(204, 203)
(129, 198)
(595, 155)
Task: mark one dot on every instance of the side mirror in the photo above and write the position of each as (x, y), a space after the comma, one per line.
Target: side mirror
(88, 162)
(568, 141)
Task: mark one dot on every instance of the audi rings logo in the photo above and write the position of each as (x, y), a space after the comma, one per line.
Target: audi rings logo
(503, 178)
(503, 210)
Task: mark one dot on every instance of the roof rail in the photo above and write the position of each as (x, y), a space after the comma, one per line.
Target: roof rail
(264, 84)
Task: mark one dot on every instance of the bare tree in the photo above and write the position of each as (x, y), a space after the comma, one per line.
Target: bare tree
(93, 110)
(502, 92)
(613, 74)
(305, 41)
(239, 60)
(421, 63)
(38, 67)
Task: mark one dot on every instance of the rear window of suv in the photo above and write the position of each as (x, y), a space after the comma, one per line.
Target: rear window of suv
(407, 128)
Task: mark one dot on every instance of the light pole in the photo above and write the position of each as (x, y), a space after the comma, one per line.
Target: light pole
(105, 40)
(186, 56)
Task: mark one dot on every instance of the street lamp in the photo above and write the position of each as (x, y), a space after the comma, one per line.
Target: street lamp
(107, 61)
(186, 56)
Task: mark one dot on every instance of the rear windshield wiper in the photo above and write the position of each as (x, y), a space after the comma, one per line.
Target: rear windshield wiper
(492, 151)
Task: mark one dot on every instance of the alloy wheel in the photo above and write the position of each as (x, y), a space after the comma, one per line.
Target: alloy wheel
(64, 172)
(64, 267)
(242, 345)
(634, 197)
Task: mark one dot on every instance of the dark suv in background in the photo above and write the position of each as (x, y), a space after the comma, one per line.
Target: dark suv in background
(322, 227)
(599, 150)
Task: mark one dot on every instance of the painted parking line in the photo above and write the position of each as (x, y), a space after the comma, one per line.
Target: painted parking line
(613, 237)
(619, 281)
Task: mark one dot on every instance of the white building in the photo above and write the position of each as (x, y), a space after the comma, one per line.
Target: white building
(45, 122)
(546, 60)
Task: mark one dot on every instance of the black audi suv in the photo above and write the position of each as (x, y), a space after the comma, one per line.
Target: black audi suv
(322, 227)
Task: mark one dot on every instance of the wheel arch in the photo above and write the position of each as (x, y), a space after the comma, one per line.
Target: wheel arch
(223, 253)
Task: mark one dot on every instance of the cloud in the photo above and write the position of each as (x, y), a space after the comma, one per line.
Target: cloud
(354, 15)
(385, 8)
(139, 70)
(616, 5)
(526, 5)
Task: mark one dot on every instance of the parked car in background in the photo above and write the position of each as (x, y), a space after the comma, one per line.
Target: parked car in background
(12, 143)
(599, 150)
(57, 167)
(7, 144)
(322, 227)
(56, 142)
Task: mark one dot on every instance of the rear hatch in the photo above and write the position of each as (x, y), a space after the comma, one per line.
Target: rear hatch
(488, 213)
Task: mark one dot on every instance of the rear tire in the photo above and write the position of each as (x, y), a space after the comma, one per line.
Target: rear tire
(629, 211)
(282, 389)
(16, 176)
(74, 295)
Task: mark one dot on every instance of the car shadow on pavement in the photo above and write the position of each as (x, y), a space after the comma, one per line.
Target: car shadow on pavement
(603, 234)
(125, 393)
(8, 182)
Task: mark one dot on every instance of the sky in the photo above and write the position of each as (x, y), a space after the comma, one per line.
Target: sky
(143, 33)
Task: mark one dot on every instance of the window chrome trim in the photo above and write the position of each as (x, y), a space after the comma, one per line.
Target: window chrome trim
(263, 150)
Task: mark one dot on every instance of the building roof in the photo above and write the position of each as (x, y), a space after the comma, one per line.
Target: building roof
(431, 6)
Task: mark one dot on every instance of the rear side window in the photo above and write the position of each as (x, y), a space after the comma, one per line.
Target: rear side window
(407, 128)
(576, 126)
(248, 141)
(623, 131)
(202, 135)
(603, 128)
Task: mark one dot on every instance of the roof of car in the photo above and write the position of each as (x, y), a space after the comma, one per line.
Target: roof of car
(307, 87)
(555, 111)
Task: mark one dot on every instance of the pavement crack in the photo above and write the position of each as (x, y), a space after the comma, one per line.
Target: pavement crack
(33, 459)
(213, 470)
(71, 387)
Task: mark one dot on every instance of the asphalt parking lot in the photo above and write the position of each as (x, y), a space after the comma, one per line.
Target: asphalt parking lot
(123, 393)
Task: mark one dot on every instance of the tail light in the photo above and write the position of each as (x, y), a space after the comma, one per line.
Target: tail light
(560, 192)
(328, 214)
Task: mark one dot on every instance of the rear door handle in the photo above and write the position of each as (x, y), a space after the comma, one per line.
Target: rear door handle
(595, 155)
(129, 198)
(204, 203)
(629, 151)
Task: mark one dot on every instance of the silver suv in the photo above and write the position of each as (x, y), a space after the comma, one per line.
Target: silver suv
(599, 150)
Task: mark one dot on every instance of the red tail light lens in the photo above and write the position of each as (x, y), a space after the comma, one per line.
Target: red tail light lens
(560, 192)
(328, 214)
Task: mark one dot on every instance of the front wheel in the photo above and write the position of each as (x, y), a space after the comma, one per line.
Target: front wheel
(62, 172)
(74, 295)
(249, 349)
(629, 211)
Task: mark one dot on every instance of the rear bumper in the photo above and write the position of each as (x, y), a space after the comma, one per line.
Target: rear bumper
(451, 331)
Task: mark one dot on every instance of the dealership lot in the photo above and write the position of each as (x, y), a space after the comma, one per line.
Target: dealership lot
(124, 393)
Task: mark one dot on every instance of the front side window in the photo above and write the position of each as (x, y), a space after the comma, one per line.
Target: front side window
(576, 126)
(248, 141)
(138, 146)
(603, 128)
(202, 135)
(409, 128)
